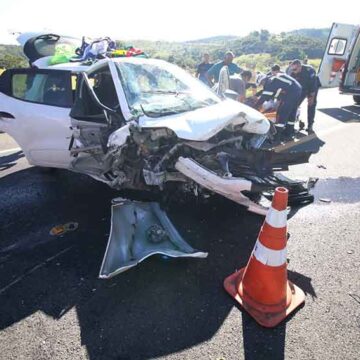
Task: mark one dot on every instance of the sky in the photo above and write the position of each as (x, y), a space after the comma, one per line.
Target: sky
(177, 20)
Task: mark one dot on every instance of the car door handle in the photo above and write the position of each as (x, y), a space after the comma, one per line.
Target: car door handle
(6, 115)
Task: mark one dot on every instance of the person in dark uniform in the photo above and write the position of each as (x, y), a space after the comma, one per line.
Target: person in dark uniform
(306, 76)
(203, 68)
(288, 91)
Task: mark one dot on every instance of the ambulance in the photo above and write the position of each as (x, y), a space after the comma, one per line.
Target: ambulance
(340, 65)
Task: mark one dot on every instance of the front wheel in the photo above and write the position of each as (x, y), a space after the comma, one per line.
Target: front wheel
(357, 99)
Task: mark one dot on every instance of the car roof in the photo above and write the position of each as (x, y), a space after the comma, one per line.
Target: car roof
(76, 67)
(79, 67)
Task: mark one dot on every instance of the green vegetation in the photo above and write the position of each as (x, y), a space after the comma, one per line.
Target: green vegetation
(257, 51)
(19, 85)
(263, 62)
(11, 61)
(11, 56)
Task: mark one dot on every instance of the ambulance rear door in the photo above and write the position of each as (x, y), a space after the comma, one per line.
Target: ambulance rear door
(339, 45)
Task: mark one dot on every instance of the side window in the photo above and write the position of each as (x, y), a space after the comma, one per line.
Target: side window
(337, 46)
(44, 88)
(102, 84)
(104, 88)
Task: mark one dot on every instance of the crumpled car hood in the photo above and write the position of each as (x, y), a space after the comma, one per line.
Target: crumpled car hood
(202, 124)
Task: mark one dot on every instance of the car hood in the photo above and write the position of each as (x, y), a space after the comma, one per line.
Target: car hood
(202, 124)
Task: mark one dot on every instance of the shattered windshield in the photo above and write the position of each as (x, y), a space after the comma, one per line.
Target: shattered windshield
(159, 89)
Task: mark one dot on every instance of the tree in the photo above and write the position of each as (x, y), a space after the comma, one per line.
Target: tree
(11, 61)
(291, 53)
(264, 35)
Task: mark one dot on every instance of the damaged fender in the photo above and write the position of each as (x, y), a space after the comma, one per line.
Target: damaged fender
(140, 230)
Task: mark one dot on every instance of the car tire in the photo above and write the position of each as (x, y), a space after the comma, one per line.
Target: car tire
(357, 99)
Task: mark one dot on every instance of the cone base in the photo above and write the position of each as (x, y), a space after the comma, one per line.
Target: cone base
(266, 319)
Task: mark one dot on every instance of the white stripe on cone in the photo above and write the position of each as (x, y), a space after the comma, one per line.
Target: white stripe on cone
(276, 218)
(268, 256)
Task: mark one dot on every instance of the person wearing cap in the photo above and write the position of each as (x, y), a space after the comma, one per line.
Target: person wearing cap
(203, 68)
(306, 76)
(214, 72)
(288, 91)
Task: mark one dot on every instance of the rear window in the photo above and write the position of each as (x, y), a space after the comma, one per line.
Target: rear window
(49, 45)
(48, 89)
(337, 46)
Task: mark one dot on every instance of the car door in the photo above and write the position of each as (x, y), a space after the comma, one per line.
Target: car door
(340, 42)
(34, 110)
(95, 115)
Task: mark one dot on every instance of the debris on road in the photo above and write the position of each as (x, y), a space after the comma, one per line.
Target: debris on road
(310, 184)
(325, 200)
(139, 230)
(64, 228)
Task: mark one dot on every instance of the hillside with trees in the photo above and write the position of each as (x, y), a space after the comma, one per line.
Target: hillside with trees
(257, 49)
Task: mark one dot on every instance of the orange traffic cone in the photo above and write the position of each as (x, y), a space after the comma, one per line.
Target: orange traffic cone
(262, 287)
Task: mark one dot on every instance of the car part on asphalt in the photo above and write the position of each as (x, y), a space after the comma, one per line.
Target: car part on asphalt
(140, 230)
(262, 287)
(64, 228)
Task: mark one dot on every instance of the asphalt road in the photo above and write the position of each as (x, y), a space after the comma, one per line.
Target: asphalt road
(53, 306)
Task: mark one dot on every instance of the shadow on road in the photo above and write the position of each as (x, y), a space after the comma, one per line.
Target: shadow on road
(264, 343)
(345, 114)
(160, 307)
(302, 142)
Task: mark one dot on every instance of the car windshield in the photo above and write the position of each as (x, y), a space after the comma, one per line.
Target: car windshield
(159, 88)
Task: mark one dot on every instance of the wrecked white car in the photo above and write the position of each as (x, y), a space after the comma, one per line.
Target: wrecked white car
(143, 124)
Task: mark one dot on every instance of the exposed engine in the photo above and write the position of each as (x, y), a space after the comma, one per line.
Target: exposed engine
(231, 163)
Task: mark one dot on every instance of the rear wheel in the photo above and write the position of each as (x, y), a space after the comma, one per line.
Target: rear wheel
(357, 99)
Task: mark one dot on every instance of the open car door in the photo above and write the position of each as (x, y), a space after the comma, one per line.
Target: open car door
(34, 110)
(340, 42)
(96, 114)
